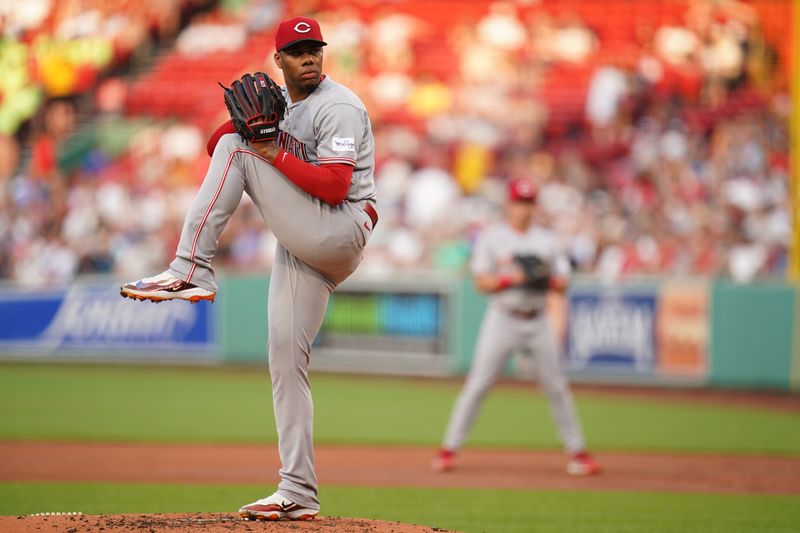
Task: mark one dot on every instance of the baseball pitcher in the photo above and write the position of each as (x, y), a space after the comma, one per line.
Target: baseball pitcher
(304, 153)
(516, 262)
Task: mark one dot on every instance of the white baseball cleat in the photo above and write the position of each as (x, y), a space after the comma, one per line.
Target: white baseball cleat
(164, 287)
(276, 507)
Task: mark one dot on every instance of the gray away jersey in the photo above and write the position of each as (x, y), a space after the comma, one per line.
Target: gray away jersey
(331, 126)
(494, 253)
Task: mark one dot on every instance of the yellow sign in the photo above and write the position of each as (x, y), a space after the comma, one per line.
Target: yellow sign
(794, 148)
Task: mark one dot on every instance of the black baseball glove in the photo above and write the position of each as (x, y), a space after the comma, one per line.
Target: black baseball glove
(537, 272)
(256, 106)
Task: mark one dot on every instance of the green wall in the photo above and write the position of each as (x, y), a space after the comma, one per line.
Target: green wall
(466, 310)
(752, 330)
(243, 318)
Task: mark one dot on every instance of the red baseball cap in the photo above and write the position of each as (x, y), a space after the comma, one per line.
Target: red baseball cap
(295, 30)
(521, 190)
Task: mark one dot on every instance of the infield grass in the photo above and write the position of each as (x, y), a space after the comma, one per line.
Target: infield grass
(202, 404)
(465, 510)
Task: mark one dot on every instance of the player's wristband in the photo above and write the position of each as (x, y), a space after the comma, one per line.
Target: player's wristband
(504, 282)
(557, 284)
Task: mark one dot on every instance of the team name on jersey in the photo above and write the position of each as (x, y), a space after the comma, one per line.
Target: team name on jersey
(292, 146)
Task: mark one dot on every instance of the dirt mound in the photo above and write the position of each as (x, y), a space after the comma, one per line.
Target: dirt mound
(206, 523)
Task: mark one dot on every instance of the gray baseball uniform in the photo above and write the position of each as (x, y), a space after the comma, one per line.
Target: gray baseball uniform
(319, 245)
(508, 325)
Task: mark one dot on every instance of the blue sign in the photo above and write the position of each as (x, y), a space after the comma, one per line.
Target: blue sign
(612, 331)
(94, 318)
(411, 315)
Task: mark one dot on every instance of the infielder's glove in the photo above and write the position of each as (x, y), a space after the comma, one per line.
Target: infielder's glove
(256, 106)
(537, 272)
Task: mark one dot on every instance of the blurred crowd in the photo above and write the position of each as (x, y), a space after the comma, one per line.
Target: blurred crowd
(658, 134)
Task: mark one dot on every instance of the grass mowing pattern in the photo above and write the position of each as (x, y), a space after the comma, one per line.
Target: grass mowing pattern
(459, 509)
(168, 404)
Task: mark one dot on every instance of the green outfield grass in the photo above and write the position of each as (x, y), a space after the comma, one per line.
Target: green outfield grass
(459, 509)
(169, 404)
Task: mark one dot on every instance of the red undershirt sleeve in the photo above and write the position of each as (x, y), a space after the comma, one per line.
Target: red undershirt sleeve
(330, 183)
(224, 129)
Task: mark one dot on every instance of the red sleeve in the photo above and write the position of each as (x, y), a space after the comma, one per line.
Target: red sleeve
(224, 129)
(329, 183)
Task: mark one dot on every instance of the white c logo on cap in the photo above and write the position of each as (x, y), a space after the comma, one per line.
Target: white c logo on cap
(302, 27)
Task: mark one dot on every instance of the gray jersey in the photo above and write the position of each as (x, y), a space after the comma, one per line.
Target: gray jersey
(331, 126)
(494, 254)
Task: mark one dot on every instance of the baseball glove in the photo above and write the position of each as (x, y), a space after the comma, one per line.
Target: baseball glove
(256, 106)
(537, 272)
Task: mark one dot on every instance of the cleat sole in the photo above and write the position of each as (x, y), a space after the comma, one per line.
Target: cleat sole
(157, 299)
(274, 517)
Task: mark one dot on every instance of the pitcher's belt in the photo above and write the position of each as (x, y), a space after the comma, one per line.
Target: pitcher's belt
(526, 315)
(373, 215)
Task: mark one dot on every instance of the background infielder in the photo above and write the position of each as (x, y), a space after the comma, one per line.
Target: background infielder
(313, 183)
(516, 262)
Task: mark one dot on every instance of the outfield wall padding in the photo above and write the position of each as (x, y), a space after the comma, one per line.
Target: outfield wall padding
(752, 330)
(243, 318)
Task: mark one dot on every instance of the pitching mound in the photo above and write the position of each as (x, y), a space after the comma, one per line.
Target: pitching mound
(72, 523)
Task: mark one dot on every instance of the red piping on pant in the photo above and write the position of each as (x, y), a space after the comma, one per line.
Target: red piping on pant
(205, 216)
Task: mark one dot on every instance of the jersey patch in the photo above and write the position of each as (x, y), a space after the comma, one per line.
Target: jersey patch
(343, 144)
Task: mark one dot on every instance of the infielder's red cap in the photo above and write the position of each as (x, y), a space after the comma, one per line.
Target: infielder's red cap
(297, 29)
(521, 190)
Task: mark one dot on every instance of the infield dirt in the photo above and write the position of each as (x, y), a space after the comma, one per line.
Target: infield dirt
(395, 467)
